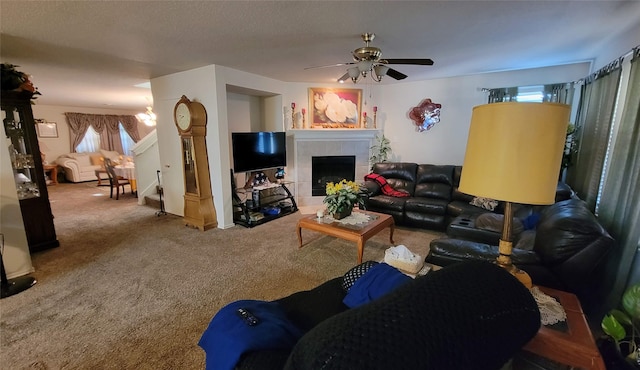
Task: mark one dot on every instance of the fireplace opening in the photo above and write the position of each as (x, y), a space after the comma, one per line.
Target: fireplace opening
(331, 169)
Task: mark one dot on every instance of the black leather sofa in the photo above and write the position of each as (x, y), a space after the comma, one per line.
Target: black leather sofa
(430, 189)
(473, 315)
(434, 199)
(568, 250)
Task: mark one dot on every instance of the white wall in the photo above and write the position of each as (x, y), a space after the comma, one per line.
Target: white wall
(54, 147)
(445, 143)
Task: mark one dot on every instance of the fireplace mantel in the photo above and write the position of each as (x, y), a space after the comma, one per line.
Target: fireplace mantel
(334, 134)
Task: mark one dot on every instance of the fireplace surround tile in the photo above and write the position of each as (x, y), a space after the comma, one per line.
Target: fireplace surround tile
(354, 142)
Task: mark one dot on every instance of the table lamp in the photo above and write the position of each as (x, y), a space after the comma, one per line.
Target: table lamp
(513, 155)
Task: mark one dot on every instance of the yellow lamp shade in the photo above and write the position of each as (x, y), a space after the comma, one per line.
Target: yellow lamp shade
(514, 151)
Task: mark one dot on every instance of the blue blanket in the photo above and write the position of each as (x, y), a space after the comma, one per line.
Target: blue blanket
(376, 282)
(229, 335)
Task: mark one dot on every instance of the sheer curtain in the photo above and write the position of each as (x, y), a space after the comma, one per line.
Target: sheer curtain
(619, 210)
(595, 115)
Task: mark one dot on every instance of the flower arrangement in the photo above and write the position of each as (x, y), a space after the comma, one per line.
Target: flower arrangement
(342, 196)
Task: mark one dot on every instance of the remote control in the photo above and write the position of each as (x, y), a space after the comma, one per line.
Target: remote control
(247, 316)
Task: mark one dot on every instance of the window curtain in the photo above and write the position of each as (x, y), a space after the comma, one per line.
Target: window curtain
(595, 115)
(104, 124)
(619, 210)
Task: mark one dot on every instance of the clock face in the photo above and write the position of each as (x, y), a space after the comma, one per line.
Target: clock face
(183, 116)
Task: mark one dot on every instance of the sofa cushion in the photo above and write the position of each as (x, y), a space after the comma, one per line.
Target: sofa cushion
(96, 159)
(112, 155)
(494, 222)
(434, 181)
(426, 205)
(385, 202)
(526, 240)
(399, 175)
(462, 207)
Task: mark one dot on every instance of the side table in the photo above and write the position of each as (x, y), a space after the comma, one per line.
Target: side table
(53, 172)
(572, 343)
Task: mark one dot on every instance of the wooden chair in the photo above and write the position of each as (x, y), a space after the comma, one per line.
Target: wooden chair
(115, 181)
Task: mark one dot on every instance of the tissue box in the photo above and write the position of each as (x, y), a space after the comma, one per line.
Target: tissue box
(403, 259)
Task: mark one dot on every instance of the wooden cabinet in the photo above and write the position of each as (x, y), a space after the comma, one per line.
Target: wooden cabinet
(24, 152)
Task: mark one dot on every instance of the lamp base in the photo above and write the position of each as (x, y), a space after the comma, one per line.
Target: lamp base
(522, 276)
(504, 261)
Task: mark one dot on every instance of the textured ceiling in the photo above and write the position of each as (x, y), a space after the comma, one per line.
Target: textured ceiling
(92, 53)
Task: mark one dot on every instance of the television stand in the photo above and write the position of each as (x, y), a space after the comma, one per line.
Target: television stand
(254, 206)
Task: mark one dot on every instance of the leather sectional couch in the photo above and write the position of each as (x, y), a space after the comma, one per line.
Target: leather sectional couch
(567, 250)
(434, 199)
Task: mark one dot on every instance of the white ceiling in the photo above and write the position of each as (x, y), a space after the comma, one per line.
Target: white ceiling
(92, 53)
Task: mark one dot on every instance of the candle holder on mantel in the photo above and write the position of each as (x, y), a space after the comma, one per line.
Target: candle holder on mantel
(293, 115)
(364, 120)
(375, 114)
(304, 121)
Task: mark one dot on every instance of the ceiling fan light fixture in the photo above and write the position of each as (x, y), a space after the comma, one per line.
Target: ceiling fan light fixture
(379, 71)
(354, 73)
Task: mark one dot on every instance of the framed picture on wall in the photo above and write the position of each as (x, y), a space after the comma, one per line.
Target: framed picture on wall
(46, 129)
(334, 107)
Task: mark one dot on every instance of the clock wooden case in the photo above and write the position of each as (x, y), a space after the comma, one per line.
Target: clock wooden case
(190, 118)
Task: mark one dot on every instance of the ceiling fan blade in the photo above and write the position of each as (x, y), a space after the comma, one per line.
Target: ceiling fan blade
(344, 77)
(395, 74)
(331, 65)
(421, 62)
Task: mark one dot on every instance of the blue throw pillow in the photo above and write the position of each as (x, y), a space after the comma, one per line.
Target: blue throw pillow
(531, 222)
(229, 335)
(376, 282)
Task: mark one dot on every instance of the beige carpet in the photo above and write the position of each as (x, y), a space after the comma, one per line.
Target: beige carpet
(129, 290)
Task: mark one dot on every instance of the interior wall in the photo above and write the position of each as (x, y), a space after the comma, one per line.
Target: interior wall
(54, 147)
(445, 143)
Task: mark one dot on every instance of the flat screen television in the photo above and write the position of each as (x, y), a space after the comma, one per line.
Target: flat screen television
(254, 151)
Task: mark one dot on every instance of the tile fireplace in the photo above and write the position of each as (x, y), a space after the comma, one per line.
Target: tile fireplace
(327, 143)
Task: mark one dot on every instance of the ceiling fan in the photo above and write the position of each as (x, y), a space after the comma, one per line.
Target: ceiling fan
(367, 61)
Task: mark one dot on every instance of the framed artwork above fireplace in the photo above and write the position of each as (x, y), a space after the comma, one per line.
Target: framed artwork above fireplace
(335, 107)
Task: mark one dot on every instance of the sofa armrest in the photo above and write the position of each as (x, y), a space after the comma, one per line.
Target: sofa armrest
(70, 163)
(371, 188)
(446, 251)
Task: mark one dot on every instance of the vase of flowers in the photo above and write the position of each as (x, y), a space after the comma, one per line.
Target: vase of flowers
(341, 198)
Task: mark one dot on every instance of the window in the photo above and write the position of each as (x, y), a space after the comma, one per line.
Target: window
(91, 141)
(558, 93)
(127, 141)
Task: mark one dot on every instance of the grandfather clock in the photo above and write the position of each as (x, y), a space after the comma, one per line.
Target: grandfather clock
(191, 120)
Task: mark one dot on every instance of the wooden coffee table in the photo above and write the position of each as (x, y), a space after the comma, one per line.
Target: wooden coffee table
(359, 233)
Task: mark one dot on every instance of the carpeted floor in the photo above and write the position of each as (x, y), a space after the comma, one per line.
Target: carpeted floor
(127, 289)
